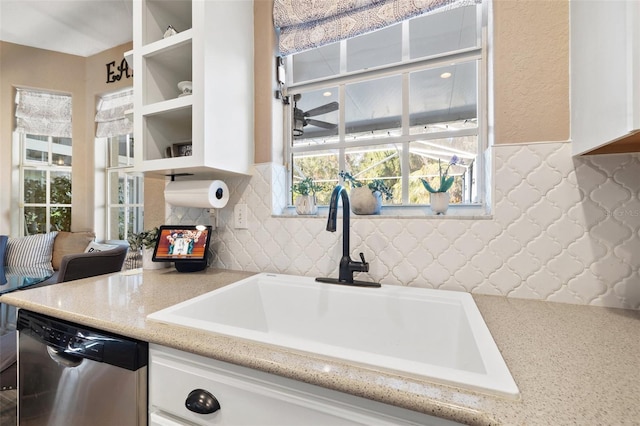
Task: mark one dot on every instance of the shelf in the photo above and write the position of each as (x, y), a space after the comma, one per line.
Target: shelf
(168, 43)
(164, 68)
(159, 14)
(168, 106)
(163, 129)
(185, 165)
(201, 52)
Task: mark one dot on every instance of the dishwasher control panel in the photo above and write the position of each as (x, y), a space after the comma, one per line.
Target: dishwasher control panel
(70, 339)
(83, 342)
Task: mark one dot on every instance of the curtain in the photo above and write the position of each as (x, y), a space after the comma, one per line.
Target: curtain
(43, 114)
(111, 117)
(307, 24)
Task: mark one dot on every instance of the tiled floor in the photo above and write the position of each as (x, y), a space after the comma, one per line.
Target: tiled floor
(8, 406)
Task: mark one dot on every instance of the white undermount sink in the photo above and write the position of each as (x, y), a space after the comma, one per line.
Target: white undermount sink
(435, 334)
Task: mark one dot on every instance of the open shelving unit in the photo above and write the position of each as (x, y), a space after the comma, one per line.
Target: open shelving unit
(217, 118)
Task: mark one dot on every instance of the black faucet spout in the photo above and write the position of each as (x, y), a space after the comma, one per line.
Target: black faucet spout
(340, 191)
(347, 266)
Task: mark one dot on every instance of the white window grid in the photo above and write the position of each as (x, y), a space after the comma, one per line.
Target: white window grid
(43, 145)
(404, 68)
(120, 170)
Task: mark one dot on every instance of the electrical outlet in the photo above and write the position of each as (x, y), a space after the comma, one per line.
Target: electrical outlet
(240, 216)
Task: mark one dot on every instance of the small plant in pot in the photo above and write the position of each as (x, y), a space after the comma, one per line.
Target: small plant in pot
(440, 196)
(144, 243)
(305, 202)
(366, 199)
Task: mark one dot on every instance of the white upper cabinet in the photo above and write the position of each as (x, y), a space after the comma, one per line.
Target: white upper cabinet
(208, 130)
(605, 76)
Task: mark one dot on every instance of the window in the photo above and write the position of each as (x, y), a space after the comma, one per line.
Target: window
(43, 160)
(124, 189)
(45, 176)
(394, 104)
(125, 196)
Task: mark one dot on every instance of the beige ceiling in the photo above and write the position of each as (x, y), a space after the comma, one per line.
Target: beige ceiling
(77, 27)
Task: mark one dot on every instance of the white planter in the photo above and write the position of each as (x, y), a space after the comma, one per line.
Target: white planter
(363, 201)
(147, 263)
(439, 202)
(306, 205)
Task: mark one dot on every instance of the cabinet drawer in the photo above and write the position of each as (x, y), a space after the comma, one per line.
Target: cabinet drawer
(250, 397)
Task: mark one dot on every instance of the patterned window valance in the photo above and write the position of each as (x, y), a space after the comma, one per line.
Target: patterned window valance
(306, 24)
(111, 114)
(43, 113)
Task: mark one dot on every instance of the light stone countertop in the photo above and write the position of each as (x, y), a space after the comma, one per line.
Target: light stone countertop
(573, 364)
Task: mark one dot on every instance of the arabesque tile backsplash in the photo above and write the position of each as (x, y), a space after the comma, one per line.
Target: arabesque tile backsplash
(562, 229)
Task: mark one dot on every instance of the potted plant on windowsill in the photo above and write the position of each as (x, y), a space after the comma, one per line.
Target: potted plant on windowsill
(305, 202)
(366, 199)
(144, 243)
(440, 197)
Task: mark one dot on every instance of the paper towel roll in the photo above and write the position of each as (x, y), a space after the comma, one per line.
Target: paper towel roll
(197, 193)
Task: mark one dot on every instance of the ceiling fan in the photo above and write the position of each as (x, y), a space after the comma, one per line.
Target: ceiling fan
(301, 118)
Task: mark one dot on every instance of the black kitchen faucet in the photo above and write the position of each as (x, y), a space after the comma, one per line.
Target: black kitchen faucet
(347, 266)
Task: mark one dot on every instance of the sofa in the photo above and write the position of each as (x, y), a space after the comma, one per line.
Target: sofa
(71, 255)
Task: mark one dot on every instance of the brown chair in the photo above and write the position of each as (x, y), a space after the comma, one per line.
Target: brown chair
(72, 267)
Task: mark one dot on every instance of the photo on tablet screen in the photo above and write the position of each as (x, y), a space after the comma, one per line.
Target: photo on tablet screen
(182, 243)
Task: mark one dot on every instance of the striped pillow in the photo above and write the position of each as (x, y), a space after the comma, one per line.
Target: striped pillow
(3, 248)
(32, 250)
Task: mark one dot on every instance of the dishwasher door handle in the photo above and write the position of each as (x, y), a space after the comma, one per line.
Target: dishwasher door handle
(64, 359)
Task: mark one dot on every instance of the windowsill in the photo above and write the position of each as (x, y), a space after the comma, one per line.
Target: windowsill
(463, 212)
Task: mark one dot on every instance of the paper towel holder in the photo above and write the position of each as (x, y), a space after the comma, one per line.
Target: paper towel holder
(197, 193)
(219, 191)
(174, 175)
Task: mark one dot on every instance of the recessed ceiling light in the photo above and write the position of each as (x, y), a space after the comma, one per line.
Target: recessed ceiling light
(445, 75)
(326, 94)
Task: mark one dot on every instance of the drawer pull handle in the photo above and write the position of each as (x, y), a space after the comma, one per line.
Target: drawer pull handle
(202, 402)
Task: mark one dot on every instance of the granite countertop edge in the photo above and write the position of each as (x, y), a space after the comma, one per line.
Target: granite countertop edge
(137, 295)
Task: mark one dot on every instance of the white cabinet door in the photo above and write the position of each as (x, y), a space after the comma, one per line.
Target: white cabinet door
(605, 72)
(249, 397)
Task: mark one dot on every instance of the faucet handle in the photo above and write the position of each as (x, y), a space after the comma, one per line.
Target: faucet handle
(365, 265)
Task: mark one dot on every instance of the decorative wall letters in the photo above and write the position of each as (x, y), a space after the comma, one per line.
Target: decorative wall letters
(121, 70)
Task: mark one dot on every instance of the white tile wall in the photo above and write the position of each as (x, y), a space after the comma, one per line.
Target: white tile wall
(563, 229)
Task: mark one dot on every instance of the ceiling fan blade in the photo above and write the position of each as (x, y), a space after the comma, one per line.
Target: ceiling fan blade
(330, 107)
(322, 124)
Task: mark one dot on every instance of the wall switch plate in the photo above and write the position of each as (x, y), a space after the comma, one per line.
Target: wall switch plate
(240, 216)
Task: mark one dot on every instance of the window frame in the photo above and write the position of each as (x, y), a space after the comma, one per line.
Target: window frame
(49, 167)
(126, 172)
(477, 53)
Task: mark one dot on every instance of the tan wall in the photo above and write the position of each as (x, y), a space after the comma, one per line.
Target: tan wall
(531, 70)
(264, 79)
(154, 213)
(531, 87)
(84, 79)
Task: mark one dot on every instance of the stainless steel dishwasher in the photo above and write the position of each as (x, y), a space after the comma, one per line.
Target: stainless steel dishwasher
(76, 376)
